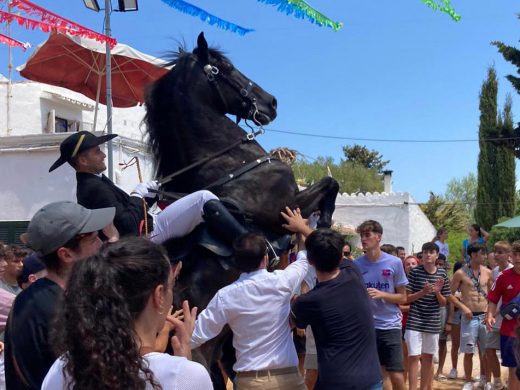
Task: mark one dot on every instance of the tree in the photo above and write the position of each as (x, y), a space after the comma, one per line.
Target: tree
(463, 191)
(361, 155)
(512, 55)
(452, 216)
(485, 215)
(352, 177)
(505, 167)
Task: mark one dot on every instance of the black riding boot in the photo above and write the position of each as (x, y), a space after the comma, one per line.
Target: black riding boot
(221, 221)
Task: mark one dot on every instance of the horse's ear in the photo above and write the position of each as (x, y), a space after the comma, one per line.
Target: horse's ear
(202, 48)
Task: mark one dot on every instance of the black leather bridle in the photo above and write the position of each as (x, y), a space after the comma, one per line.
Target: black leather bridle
(214, 75)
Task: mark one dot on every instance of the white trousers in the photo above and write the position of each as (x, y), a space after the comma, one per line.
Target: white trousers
(180, 217)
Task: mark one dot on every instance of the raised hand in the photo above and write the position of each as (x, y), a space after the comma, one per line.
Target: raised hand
(183, 330)
(437, 286)
(295, 222)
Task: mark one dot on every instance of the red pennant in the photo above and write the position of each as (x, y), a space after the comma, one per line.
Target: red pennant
(13, 42)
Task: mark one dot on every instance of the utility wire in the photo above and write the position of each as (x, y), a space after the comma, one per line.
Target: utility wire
(387, 140)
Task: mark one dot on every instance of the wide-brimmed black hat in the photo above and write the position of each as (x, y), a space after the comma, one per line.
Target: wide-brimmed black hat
(77, 143)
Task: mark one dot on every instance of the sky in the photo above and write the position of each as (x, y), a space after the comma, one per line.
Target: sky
(396, 71)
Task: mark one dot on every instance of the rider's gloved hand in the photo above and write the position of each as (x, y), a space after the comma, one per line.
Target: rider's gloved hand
(142, 190)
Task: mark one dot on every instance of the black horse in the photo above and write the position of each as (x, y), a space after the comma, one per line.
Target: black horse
(188, 129)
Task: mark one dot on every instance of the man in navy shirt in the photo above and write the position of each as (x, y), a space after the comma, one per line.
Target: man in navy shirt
(338, 311)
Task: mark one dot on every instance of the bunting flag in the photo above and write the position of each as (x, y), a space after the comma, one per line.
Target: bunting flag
(445, 7)
(47, 28)
(300, 9)
(49, 21)
(13, 42)
(190, 9)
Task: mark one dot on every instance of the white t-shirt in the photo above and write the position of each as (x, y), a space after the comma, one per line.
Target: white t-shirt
(172, 372)
(444, 248)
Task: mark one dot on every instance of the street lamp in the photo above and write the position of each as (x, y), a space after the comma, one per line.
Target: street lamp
(124, 6)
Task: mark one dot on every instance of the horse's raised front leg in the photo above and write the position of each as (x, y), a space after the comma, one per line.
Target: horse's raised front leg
(320, 196)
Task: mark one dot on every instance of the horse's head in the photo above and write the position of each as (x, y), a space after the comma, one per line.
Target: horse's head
(231, 90)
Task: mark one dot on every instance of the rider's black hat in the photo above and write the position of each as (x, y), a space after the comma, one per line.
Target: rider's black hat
(77, 143)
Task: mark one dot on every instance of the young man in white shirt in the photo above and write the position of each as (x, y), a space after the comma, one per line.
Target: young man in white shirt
(256, 307)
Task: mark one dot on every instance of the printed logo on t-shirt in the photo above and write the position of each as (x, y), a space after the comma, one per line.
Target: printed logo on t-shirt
(378, 285)
(386, 273)
(510, 287)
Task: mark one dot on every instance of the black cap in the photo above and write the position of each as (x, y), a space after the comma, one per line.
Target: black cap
(31, 265)
(77, 143)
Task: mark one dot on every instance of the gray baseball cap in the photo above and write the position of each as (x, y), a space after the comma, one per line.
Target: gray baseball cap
(57, 223)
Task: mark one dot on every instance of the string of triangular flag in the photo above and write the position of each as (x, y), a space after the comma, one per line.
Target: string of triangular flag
(49, 21)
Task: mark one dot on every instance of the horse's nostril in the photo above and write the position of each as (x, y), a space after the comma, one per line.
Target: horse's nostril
(274, 103)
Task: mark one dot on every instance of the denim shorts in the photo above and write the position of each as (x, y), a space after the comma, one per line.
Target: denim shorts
(472, 332)
(456, 317)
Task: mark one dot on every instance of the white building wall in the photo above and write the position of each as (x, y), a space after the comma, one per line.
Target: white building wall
(31, 102)
(404, 223)
(26, 183)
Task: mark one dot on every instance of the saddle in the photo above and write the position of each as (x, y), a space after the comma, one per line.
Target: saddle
(203, 236)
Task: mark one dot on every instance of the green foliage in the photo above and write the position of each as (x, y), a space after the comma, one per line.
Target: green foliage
(452, 216)
(361, 155)
(485, 212)
(512, 55)
(496, 164)
(463, 191)
(455, 243)
(351, 176)
(504, 194)
(503, 234)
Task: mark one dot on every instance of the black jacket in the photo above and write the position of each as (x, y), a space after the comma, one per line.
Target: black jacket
(94, 192)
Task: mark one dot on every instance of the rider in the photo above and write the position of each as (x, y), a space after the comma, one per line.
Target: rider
(94, 190)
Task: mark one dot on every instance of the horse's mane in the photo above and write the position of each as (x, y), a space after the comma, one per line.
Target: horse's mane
(174, 57)
(160, 100)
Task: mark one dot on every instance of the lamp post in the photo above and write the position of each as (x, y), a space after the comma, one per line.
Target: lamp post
(124, 6)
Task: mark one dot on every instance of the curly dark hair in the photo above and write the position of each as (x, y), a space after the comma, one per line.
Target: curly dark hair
(95, 325)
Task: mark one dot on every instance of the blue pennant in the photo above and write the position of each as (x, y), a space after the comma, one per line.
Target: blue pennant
(190, 9)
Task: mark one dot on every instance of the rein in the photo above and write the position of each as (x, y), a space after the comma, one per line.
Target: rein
(246, 138)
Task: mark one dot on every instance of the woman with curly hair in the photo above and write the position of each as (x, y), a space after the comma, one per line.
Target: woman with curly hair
(115, 304)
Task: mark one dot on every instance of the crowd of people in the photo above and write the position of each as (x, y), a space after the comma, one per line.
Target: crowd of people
(80, 313)
(74, 311)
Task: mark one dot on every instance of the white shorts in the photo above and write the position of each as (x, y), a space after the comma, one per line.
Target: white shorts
(421, 342)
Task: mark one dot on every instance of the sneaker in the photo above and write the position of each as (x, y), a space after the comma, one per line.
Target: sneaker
(498, 385)
(467, 386)
(453, 374)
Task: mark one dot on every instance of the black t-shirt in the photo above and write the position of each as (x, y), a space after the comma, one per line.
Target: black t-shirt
(340, 316)
(27, 335)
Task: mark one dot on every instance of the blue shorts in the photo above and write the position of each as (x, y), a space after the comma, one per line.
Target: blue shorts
(472, 332)
(456, 317)
(507, 351)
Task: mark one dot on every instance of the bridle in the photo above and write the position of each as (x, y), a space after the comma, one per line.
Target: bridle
(213, 76)
(213, 73)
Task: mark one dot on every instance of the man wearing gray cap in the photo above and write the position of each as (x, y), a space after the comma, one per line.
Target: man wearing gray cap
(60, 233)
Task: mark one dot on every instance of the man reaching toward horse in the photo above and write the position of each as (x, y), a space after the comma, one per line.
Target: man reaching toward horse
(256, 307)
(94, 190)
